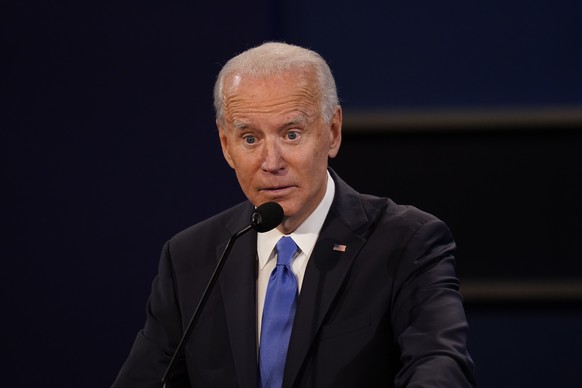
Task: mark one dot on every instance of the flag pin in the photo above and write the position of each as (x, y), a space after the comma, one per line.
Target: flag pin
(339, 247)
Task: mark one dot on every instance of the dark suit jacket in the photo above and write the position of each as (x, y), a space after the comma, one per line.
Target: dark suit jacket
(385, 312)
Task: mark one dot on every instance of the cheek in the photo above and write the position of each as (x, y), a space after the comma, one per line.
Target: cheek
(245, 164)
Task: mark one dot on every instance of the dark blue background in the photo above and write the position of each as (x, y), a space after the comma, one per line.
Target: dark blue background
(108, 148)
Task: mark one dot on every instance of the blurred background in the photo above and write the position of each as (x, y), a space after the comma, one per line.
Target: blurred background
(469, 110)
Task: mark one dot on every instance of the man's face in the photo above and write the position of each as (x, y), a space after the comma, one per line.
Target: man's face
(275, 138)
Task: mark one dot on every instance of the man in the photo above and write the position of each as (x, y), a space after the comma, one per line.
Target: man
(374, 298)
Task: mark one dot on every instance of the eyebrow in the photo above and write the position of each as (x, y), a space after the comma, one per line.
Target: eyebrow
(298, 119)
(240, 124)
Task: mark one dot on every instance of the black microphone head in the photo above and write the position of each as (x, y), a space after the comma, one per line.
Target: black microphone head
(267, 216)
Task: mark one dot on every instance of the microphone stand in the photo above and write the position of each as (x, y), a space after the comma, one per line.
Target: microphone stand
(204, 298)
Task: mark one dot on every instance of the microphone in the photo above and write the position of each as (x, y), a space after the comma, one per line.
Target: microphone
(264, 218)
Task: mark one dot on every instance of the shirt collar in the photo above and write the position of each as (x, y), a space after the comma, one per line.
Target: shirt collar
(305, 235)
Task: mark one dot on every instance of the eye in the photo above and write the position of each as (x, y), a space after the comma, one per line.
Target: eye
(292, 135)
(250, 139)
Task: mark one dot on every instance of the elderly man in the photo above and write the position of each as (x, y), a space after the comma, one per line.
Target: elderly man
(349, 290)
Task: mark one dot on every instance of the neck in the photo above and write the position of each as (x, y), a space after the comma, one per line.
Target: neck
(288, 225)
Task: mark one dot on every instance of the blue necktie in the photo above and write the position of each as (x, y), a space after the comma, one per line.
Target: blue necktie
(278, 315)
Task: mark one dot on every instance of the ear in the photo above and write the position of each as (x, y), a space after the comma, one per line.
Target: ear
(222, 134)
(335, 133)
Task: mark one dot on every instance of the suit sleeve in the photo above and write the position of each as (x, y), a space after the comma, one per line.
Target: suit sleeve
(429, 321)
(154, 346)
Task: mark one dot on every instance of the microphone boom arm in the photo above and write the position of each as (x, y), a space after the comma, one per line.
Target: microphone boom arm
(202, 303)
(264, 218)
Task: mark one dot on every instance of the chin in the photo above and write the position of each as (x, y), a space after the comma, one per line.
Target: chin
(289, 209)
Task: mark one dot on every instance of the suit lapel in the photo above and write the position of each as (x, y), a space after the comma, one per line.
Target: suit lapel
(324, 276)
(237, 283)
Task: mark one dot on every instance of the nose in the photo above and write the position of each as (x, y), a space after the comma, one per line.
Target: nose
(272, 156)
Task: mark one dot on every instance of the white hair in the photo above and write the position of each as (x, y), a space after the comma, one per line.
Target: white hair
(273, 58)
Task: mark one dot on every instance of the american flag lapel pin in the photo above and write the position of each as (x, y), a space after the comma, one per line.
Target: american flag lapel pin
(339, 247)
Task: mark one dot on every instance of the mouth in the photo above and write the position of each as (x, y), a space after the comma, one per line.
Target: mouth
(276, 191)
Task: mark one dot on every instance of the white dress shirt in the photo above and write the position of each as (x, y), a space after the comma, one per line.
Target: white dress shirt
(304, 236)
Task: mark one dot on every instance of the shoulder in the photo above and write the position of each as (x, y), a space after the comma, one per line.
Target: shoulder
(404, 222)
(379, 212)
(217, 229)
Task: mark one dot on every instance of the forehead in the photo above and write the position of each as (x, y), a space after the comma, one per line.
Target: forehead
(285, 93)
